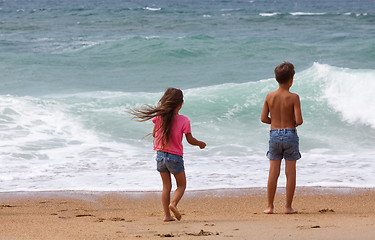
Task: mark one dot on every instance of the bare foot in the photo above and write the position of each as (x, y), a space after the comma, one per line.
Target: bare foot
(290, 211)
(168, 219)
(268, 211)
(175, 211)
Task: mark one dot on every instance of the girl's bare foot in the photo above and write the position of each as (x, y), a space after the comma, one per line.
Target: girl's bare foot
(175, 211)
(290, 211)
(268, 211)
(168, 219)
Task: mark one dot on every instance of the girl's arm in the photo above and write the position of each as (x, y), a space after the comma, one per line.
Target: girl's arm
(193, 141)
(153, 131)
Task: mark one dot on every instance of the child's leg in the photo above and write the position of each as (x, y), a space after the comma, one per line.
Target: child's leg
(272, 184)
(290, 172)
(181, 186)
(166, 195)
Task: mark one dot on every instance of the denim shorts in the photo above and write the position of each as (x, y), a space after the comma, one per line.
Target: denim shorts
(169, 162)
(284, 143)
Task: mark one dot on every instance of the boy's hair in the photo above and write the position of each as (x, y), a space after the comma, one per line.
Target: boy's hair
(284, 72)
(165, 108)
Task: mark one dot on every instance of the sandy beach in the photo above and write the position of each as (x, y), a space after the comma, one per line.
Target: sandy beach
(324, 213)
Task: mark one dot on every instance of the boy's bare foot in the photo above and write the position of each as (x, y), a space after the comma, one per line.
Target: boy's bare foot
(290, 211)
(268, 211)
(175, 211)
(168, 219)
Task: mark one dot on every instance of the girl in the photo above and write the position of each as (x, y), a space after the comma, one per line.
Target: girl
(168, 133)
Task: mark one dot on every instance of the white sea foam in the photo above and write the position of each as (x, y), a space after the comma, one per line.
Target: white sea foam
(230, 9)
(152, 9)
(44, 148)
(356, 14)
(306, 14)
(269, 14)
(350, 92)
(43, 40)
(152, 37)
(360, 14)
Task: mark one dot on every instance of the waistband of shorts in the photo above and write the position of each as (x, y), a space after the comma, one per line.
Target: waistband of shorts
(283, 131)
(166, 153)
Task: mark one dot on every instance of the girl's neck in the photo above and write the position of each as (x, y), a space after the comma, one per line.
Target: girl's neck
(177, 109)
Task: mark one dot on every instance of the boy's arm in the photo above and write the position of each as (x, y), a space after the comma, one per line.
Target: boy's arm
(298, 112)
(265, 112)
(193, 141)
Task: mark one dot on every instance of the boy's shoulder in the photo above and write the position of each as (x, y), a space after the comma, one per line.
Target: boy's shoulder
(277, 93)
(271, 94)
(295, 95)
(276, 96)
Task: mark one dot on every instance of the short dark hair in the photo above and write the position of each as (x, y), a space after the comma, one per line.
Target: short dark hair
(284, 72)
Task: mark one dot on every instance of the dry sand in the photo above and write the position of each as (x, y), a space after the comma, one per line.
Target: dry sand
(324, 213)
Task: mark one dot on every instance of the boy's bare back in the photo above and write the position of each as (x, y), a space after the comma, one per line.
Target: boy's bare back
(284, 108)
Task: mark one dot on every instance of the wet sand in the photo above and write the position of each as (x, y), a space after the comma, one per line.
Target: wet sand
(324, 213)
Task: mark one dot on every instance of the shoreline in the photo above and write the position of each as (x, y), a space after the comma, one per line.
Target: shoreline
(324, 213)
(189, 193)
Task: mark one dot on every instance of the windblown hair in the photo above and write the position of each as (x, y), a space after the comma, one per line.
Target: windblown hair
(284, 72)
(165, 108)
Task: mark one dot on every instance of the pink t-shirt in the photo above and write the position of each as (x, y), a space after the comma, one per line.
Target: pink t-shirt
(180, 126)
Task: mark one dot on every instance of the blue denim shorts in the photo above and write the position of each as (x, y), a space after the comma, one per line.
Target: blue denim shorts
(284, 143)
(169, 162)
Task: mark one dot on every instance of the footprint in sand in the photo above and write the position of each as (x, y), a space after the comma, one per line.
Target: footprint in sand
(114, 219)
(202, 233)
(84, 215)
(165, 235)
(308, 227)
(6, 206)
(117, 219)
(326, 210)
(209, 224)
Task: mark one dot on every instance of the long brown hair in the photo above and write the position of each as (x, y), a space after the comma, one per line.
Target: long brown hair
(172, 98)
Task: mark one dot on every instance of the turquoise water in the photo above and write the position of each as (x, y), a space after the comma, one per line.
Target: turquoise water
(70, 70)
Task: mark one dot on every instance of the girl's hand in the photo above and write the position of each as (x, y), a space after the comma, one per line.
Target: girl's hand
(202, 144)
(193, 141)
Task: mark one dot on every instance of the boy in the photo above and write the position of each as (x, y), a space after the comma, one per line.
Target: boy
(284, 108)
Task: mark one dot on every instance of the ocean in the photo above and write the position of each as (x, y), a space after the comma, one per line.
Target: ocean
(69, 71)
